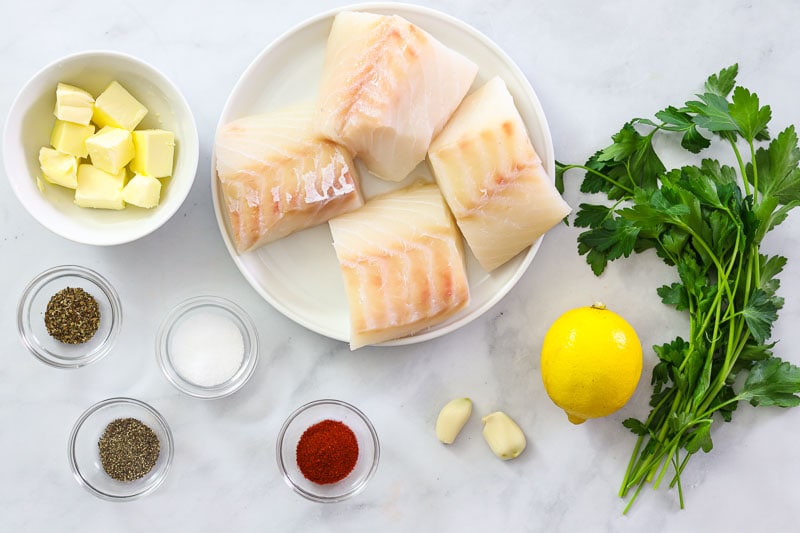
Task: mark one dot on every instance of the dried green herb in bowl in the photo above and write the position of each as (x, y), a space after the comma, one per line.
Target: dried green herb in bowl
(72, 316)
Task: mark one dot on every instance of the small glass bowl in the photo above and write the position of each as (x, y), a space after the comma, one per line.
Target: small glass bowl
(222, 307)
(369, 450)
(31, 311)
(84, 453)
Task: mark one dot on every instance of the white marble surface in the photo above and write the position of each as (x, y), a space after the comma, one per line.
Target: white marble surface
(593, 65)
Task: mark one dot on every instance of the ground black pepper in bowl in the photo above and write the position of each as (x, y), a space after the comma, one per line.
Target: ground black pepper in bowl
(72, 316)
(128, 449)
(120, 439)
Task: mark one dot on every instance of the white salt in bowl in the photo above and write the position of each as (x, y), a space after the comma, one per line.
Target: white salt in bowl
(207, 347)
(30, 121)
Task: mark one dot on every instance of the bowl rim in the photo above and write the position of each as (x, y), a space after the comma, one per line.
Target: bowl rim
(375, 459)
(54, 273)
(13, 117)
(169, 447)
(247, 327)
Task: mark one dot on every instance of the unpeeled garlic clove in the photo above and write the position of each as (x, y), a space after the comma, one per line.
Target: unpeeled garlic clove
(452, 418)
(503, 435)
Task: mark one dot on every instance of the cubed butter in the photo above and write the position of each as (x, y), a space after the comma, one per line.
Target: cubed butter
(99, 189)
(142, 190)
(59, 168)
(70, 138)
(116, 107)
(154, 152)
(73, 104)
(110, 149)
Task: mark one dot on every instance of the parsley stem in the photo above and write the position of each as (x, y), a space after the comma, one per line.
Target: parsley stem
(633, 498)
(678, 471)
(678, 478)
(609, 179)
(740, 162)
(623, 488)
(670, 454)
(755, 171)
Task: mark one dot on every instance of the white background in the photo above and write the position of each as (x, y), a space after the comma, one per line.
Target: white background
(593, 65)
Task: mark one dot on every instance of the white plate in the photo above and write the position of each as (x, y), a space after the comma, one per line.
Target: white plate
(299, 275)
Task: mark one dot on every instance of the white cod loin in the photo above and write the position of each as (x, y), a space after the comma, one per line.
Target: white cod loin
(492, 178)
(277, 176)
(403, 264)
(387, 89)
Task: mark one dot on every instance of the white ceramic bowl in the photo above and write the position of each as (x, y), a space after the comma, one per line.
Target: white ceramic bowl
(31, 119)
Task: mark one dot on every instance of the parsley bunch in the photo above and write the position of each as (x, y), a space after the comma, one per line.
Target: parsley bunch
(707, 220)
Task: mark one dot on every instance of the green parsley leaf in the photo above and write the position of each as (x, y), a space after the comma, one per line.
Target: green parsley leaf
(561, 168)
(772, 382)
(675, 295)
(753, 351)
(614, 238)
(680, 121)
(723, 82)
(778, 172)
(635, 426)
(700, 439)
(751, 119)
(760, 312)
(712, 113)
(589, 215)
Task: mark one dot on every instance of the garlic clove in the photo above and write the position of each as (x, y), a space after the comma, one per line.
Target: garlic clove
(452, 418)
(503, 435)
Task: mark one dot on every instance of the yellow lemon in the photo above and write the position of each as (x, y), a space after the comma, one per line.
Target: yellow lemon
(591, 362)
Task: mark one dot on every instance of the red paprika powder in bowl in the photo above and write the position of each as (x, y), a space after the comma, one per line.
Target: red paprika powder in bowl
(327, 450)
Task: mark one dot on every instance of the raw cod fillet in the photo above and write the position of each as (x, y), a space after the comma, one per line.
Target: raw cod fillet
(387, 89)
(492, 178)
(403, 264)
(278, 177)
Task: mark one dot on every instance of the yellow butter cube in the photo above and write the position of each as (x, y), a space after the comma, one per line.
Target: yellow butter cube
(154, 152)
(99, 189)
(116, 107)
(73, 104)
(110, 149)
(142, 191)
(59, 168)
(70, 138)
